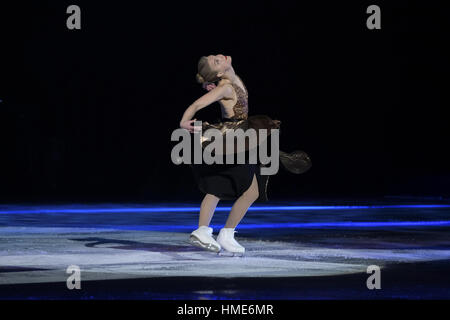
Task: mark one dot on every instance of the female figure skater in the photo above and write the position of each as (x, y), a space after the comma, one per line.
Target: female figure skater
(240, 182)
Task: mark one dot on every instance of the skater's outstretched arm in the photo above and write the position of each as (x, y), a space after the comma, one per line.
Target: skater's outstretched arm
(218, 93)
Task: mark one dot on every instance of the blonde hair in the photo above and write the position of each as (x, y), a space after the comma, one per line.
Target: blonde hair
(205, 73)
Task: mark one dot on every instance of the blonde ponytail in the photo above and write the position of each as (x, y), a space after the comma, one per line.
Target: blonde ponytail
(199, 78)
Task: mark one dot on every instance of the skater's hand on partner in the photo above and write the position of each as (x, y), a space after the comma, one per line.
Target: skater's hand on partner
(208, 86)
(188, 126)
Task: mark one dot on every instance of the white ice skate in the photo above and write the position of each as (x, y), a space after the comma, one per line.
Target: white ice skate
(202, 237)
(229, 244)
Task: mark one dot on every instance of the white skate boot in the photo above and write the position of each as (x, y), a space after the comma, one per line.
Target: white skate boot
(227, 242)
(202, 237)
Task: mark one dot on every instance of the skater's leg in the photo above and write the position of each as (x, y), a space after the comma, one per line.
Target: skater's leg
(202, 237)
(240, 207)
(242, 204)
(207, 208)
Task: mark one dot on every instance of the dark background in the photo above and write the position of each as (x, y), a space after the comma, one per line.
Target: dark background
(88, 114)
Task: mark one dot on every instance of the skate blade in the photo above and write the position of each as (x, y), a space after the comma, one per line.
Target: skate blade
(207, 246)
(225, 253)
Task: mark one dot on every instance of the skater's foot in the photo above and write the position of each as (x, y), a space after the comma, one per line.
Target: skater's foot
(202, 238)
(228, 243)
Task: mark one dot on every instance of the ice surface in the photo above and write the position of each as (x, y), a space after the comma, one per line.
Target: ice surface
(117, 254)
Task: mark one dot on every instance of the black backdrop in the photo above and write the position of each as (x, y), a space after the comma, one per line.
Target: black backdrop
(88, 114)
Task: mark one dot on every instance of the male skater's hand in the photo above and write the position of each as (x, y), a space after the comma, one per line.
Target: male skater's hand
(208, 86)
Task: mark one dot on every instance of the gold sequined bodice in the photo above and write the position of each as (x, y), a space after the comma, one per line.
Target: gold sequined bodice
(240, 109)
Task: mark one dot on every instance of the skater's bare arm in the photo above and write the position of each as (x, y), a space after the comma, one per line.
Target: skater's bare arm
(216, 94)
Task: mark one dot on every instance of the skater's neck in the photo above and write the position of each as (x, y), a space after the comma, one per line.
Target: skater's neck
(230, 77)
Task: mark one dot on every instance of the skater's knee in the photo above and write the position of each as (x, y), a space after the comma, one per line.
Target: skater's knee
(252, 193)
(212, 197)
(255, 195)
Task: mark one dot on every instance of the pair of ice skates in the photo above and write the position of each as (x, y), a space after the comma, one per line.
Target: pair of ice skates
(224, 245)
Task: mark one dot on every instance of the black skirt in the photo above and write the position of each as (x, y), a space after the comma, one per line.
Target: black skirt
(230, 181)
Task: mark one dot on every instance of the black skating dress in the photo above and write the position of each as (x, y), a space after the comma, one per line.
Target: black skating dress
(230, 181)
